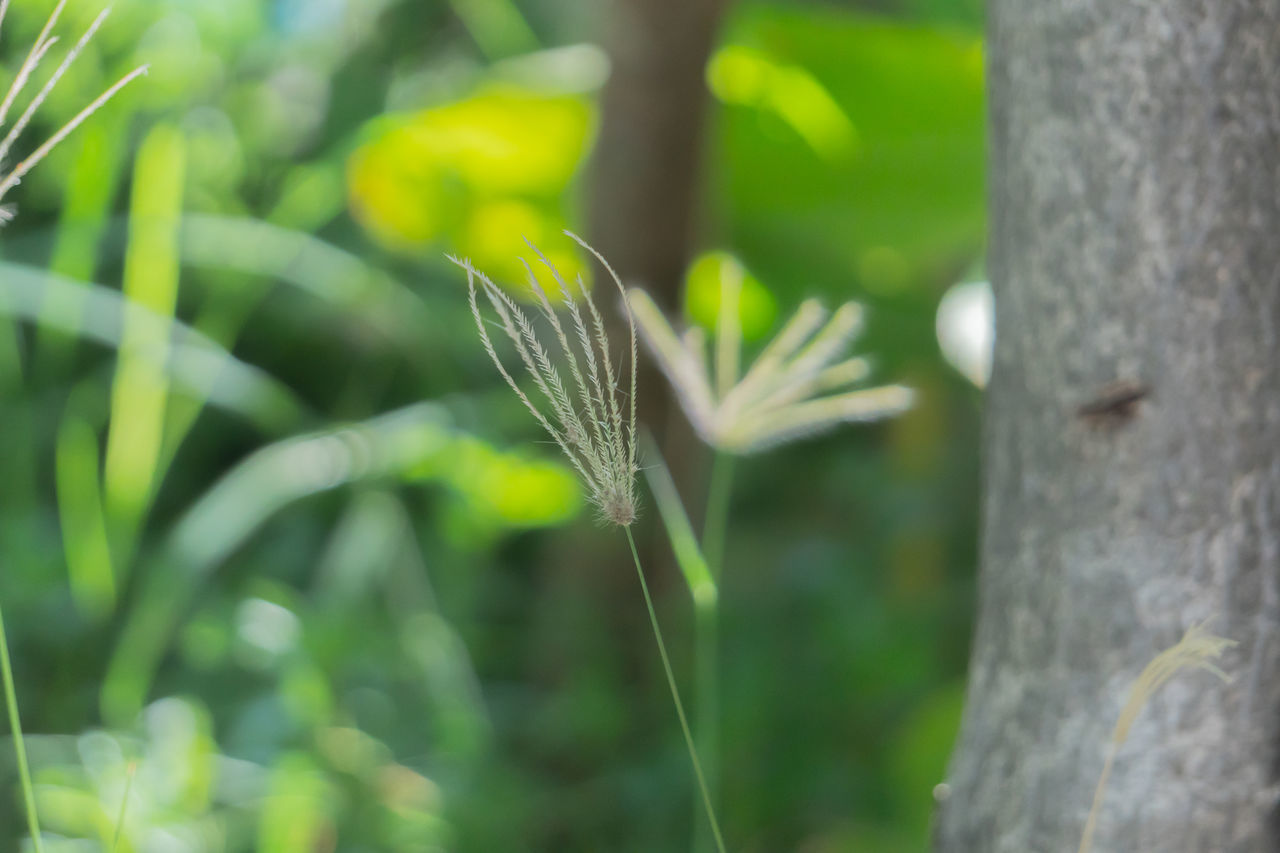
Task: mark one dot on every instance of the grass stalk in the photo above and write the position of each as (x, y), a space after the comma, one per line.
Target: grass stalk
(675, 697)
(716, 524)
(707, 635)
(19, 746)
(124, 804)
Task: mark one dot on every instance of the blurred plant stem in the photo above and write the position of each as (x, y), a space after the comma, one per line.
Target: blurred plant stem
(19, 746)
(124, 804)
(706, 634)
(142, 430)
(715, 525)
(675, 696)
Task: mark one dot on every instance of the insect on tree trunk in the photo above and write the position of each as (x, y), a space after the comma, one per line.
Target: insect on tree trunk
(1132, 471)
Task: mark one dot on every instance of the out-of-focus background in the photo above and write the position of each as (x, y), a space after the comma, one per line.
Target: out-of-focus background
(272, 529)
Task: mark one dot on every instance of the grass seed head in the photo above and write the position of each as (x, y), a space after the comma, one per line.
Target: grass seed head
(797, 387)
(580, 404)
(12, 177)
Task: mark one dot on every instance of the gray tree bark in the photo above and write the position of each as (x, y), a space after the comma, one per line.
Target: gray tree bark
(1135, 194)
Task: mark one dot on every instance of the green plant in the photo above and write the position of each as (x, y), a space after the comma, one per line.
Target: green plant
(44, 41)
(590, 427)
(796, 388)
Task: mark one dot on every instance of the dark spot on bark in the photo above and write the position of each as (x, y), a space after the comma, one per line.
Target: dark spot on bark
(1116, 403)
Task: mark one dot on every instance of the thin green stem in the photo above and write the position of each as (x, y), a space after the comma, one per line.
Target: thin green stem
(19, 746)
(675, 695)
(706, 640)
(716, 524)
(124, 804)
(706, 709)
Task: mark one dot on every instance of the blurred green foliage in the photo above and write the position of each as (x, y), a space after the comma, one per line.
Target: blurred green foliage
(272, 529)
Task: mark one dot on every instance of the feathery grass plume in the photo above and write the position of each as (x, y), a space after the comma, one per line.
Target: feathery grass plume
(795, 388)
(1198, 649)
(594, 428)
(12, 177)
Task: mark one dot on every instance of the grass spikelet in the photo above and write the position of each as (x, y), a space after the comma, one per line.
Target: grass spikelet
(591, 425)
(798, 386)
(44, 41)
(1198, 649)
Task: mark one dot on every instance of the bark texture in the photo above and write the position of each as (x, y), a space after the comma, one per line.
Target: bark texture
(1135, 193)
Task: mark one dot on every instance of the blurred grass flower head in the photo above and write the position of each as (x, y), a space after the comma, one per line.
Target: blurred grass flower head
(1198, 649)
(592, 424)
(12, 177)
(797, 387)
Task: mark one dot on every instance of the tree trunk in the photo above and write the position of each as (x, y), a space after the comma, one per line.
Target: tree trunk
(643, 205)
(1135, 192)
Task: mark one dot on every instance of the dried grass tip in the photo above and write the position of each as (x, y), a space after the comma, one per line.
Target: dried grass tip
(1198, 649)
